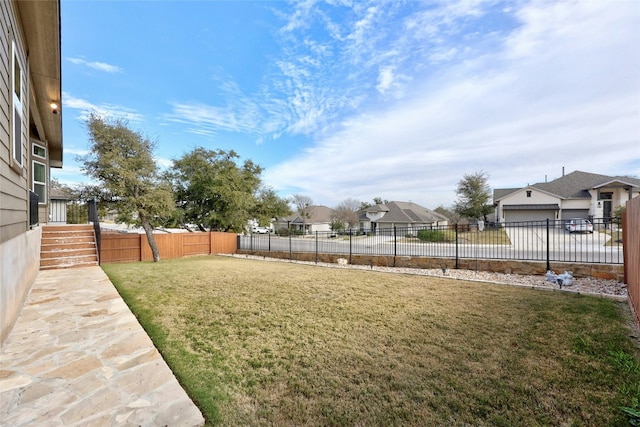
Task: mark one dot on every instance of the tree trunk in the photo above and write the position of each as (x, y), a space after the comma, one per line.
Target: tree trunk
(152, 242)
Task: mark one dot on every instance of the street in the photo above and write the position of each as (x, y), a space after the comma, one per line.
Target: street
(526, 244)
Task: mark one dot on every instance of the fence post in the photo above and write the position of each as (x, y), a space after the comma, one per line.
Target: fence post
(316, 246)
(269, 242)
(395, 245)
(456, 229)
(289, 244)
(350, 245)
(548, 264)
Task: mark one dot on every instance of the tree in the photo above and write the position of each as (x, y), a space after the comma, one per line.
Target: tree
(85, 192)
(57, 185)
(450, 214)
(302, 203)
(213, 191)
(379, 201)
(347, 213)
(376, 201)
(473, 196)
(121, 160)
(269, 205)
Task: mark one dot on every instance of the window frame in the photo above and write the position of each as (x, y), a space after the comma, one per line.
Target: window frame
(33, 150)
(16, 100)
(42, 183)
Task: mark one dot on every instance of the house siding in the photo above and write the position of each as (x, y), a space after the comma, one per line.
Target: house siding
(14, 201)
(19, 244)
(520, 198)
(578, 194)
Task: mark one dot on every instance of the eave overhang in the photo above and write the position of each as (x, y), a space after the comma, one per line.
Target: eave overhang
(41, 25)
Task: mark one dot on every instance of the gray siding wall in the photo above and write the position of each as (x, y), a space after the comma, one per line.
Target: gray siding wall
(14, 202)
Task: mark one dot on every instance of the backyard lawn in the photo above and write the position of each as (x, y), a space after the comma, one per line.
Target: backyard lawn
(277, 343)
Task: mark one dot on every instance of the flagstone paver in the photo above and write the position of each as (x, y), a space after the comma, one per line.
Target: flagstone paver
(77, 356)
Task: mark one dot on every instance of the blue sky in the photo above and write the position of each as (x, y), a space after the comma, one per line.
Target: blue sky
(343, 99)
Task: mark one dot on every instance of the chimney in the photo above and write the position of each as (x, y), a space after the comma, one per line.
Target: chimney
(563, 171)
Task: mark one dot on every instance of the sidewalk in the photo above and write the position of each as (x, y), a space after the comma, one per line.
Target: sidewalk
(77, 356)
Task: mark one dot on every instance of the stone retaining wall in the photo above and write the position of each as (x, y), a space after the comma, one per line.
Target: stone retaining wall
(600, 271)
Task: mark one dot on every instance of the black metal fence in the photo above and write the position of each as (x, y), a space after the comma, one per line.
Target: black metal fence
(599, 241)
(92, 214)
(33, 209)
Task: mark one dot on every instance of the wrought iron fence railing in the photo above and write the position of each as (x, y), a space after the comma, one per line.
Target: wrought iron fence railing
(33, 209)
(599, 241)
(85, 212)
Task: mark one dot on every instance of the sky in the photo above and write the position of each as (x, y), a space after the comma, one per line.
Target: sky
(363, 99)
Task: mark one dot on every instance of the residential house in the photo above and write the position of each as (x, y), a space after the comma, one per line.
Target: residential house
(402, 215)
(30, 142)
(575, 195)
(316, 218)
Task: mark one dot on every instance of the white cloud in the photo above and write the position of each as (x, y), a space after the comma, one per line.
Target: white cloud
(107, 110)
(208, 119)
(100, 66)
(385, 79)
(330, 67)
(560, 90)
(75, 151)
(163, 162)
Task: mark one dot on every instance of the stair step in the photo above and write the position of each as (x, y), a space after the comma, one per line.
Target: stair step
(60, 228)
(68, 261)
(68, 246)
(67, 240)
(65, 253)
(52, 247)
(69, 265)
(58, 234)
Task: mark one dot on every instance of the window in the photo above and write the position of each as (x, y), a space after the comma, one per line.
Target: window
(39, 151)
(16, 98)
(40, 181)
(528, 193)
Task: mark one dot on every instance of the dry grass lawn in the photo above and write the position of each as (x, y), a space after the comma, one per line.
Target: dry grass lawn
(273, 343)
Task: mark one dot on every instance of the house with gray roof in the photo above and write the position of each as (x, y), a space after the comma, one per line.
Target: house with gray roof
(404, 215)
(575, 195)
(316, 218)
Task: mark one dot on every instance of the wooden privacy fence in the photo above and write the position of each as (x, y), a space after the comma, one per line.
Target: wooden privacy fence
(118, 247)
(631, 243)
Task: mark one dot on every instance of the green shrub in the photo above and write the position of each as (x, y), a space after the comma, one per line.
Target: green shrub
(435, 236)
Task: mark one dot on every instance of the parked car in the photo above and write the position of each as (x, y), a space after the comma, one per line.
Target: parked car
(575, 225)
(261, 230)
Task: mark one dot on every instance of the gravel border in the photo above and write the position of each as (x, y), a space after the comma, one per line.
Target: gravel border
(583, 285)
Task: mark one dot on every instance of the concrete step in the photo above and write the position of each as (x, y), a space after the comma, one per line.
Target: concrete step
(68, 261)
(53, 239)
(51, 247)
(67, 246)
(62, 234)
(68, 227)
(48, 244)
(69, 265)
(67, 252)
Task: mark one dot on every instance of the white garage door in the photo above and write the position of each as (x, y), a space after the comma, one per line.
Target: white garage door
(529, 215)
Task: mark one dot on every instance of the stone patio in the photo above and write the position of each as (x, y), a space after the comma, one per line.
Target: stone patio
(77, 356)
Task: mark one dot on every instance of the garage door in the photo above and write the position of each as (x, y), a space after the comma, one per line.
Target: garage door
(575, 213)
(529, 215)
